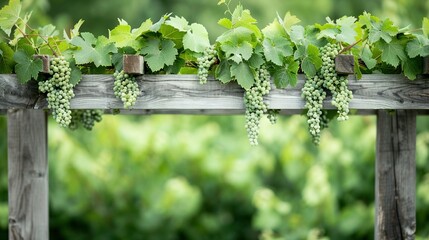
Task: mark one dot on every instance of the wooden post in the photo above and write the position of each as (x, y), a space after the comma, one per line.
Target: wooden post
(395, 184)
(344, 64)
(133, 64)
(28, 175)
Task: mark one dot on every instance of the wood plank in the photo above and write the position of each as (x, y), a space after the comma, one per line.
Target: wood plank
(395, 187)
(28, 175)
(183, 92)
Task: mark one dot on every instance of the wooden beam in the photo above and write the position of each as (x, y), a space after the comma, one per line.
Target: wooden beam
(183, 92)
(395, 187)
(28, 175)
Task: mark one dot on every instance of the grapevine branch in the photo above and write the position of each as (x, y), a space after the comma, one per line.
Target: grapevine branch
(26, 36)
(350, 46)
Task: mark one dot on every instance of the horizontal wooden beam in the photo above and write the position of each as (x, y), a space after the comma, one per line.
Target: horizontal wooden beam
(183, 93)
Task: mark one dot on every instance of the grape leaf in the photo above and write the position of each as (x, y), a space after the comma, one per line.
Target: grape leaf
(123, 36)
(418, 47)
(242, 18)
(21, 27)
(117, 61)
(275, 50)
(385, 30)
(288, 21)
(283, 76)
(367, 58)
(93, 50)
(27, 67)
(196, 39)
(425, 27)
(225, 22)
(74, 31)
(169, 32)
(243, 74)
(235, 34)
(347, 27)
(9, 14)
(156, 26)
(256, 60)
(297, 34)
(328, 30)
(392, 53)
(223, 72)
(312, 61)
(412, 67)
(274, 30)
(179, 23)
(6, 58)
(240, 49)
(159, 53)
(75, 74)
(47, 31)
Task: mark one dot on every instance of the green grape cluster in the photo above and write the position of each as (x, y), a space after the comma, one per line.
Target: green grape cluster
(87, 118)
(205, 62)
(315, 91)
(59, 90)
(314, 94)
(272, 115)
(255, 105)
(126, 88)
(336, 84)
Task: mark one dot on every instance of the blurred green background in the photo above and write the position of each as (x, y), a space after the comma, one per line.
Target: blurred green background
(196, 177)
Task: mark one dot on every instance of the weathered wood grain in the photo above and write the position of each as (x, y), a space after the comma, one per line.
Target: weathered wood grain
(133, 64)
(344, 64)
(395, 186)
(183, 92)
(28, 175)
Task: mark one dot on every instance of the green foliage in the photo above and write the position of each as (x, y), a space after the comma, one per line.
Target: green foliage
(9, 15)
(27, 67)
(197, 38)
(6, 58)
(123, 36)
(159, 53)
(93, 50)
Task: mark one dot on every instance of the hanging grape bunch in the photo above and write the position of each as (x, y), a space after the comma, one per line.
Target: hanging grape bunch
(337, 84)
(315, 91)
(255, 105)
(59, 90)
(87, 118)
(126, 88)
(205, 62)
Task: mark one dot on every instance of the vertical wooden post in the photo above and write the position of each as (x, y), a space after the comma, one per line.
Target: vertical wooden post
(28, 175)
(395, 184)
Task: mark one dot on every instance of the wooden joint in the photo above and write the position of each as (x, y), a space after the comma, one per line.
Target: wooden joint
(133, 64)
(344, 64)
(45, 61)
(426, 65)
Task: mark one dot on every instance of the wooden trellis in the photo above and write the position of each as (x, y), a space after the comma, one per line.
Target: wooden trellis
(395, 185)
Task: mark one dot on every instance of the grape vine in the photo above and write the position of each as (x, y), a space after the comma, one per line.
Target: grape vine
(243, 53)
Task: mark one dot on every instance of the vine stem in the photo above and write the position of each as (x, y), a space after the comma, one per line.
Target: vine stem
(31, 29)
(351, 46)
